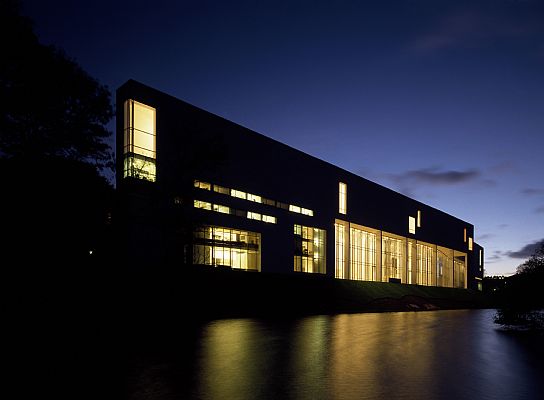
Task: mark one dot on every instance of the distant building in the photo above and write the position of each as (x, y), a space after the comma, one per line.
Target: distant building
(198, 189)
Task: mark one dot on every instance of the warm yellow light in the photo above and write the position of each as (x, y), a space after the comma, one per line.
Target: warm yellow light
(293, 208)
(254, 197)
(465, 235)
(238, 193)
(254, 215)
(202, 204)
(470, 243)
(418, 218)
(203, 185)
(412, 225)
(342, 198)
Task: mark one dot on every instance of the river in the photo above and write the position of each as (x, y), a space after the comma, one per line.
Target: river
(425, 355)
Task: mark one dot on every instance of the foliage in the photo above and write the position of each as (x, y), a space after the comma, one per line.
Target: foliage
(50, 106)
(534, 265)
(522, 296)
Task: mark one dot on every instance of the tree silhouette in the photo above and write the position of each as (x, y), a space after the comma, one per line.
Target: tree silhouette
(50, 106)
(53, 144)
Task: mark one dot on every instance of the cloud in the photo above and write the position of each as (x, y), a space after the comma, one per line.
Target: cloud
(486, 236)
(532, 191)
(495, 257)
(434, 176)
(526, 251)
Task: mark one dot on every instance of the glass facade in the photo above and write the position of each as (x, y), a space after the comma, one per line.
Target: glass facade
(310, 255)
(363, 253)
(221, 246)
(139, 141)
(393, 259)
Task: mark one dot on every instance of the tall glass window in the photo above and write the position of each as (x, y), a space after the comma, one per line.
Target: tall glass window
(342, 198)
(459, 270)
(339, 251)
(139, 141)
(309, 249)
(215, 245)
(393, 260)
(425, 263)
(362, 245)
(444, 267)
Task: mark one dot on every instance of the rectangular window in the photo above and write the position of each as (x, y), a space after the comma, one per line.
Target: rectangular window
(268, 202)
(254, 215)
(465, 235)
(481, 256)
(412, 225)
(339, 251)
(306, 211)
(425, 263)
(254, 197)
(309, 249)
(203, 185)
(269, 219)
(393, 257)
(202, 204)
(238, 193)
(221, 209)
(139, 141)
(444, 267)
(470, 243)
(362, 246)
(418, 218)
(293, 208)
(342, 198)
(459, 270)
(234, 248)
(221, 189)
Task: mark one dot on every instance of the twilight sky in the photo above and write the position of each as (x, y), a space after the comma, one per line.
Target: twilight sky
(440, 100)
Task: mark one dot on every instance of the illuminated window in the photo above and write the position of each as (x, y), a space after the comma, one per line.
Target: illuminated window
(238, 193)
(470, 243)
(202, 204)
(393, 259)
(306, 211)
(234, 248)
(309, 249)
(342, 198)
(481, 256)
(221, 209)
(459, 270)
(425, 262)
(139, 141)
(203, 185)
(269, 219)
(418, 218)
(465, 235)
(254, 197)
(221, 189)
(411, 225)
(362, 246)
(340, 250)
(444, 267)
(294, 208)
(254, 215)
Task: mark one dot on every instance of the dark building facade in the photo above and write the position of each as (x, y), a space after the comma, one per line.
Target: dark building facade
(198, 189)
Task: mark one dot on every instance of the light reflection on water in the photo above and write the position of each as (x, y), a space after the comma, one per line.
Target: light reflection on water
(429, 355)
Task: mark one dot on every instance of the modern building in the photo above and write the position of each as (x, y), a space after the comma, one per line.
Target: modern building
(198, 189)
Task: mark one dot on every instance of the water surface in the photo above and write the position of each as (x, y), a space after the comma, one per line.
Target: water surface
(427, 355)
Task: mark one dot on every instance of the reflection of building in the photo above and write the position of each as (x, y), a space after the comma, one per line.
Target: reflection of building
(253, 203)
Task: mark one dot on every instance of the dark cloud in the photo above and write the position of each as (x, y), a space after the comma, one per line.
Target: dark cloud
(486, 236)
(526, 251)
(435, 176)
(532, 191)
